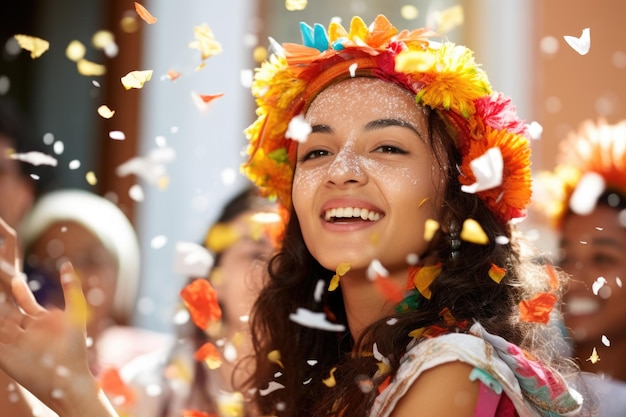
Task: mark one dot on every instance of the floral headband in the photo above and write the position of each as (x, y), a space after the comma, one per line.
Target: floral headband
(597, 149)
(443, 76)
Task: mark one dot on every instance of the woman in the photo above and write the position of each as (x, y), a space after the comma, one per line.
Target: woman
(585, 202)
(389, 192)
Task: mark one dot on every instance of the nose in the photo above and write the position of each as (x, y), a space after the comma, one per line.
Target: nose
(347, 168)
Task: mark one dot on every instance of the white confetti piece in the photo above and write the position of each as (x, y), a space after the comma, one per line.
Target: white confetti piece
(151, 168)
(319, 290)
(158, 242)
(586, 194)
(117, 135)
(192, 260)
(135, 192)
(315, 320)
(376, 269)
(58, 147)
(581, 44)
(298, 129)
(353, 69)
(502, 240)
(487, 169)
(535, 130)
(74, 164)
(598, 283)
(272, 386)
(35, 158)
(605, 341)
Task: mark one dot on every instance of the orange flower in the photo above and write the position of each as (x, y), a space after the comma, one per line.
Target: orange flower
(201, 300)
(538, 308)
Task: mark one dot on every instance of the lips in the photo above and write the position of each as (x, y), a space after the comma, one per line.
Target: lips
(347, 213)
(582, 306)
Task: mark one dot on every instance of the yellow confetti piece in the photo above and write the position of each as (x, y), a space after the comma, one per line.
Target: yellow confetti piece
(36, 46)
(238, 339)
(163, 182)
(430, 227)
(594, 358)
(220, 237)
(90, 69)
(330, 381)
(424, 200)
(259, 54)
(129, 24)
(91, 178)
(409, 12)
(472, 232)
(496, 273)
(449, 19)
(75, 51)
(343, 268)
(205, 41)
(105, 112)
(417, 333)
(383, 368)
(102, 39)
(374, 238)
(274, 356)
(424, 277)
(136, 79)
(200, 67)
(334, 283)
(414, 61)
(295, 5)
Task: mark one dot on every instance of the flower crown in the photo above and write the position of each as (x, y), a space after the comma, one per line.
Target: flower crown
(443, 76)
(596, 147)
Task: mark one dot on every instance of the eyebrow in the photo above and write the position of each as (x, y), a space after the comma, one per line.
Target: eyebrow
(373, 125)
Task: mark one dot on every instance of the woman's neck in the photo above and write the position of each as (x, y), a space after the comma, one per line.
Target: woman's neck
(363, 301)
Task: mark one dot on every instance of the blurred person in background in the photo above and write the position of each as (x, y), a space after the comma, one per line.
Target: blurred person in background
(167, 383)
(585, 200)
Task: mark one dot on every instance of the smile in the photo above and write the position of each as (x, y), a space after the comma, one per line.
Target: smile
(351, 213)
(580, 306)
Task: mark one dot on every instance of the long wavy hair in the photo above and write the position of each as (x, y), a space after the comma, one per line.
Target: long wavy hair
(464, 288)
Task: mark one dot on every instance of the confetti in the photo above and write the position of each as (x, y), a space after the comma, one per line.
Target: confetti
(196, 413)
(173, 75)
(201, 300)
(114, 386)
(136, 79)
(205, 41)
(151, 167)
(105, 112)
(105, 40)
(298, 129)
(330, 381)
(342, 269)
(496, 273)
(36, 46)
(221, 236)
(585, 195)
(449, 19)
(202, 101)
(315, 320)
(375, 269)
(91, 178)
(192, 260)
(75, 51)
(90, 69)
(35, 158)
(144, 14)
(388, 289)
(605, 341)
(473, 232)
(424, 276)
(209, 354)
(414, 61)
(581, 44)
(487, 170)
(598, 284)
(274, 356)
(295, 5)
(535, 130)
(538, 308)
(271, 387)
(117, 135)
(430, 227)
(594, 358)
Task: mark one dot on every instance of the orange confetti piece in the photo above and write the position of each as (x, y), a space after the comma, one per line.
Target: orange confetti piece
(384, 384)
(203, 100)
(473, 232)
(330, 381)
(388, 289)
(145, 15)
(209, 354)
(274, 356)
(554, 280)
(36, 46)
(172, 75)
(201, 300)
(496, 273)
(424, 276)
(114, 386)
(196, 413)
(538, 308)
(447, 316)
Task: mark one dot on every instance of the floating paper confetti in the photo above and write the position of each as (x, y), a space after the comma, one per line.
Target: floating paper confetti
(538, 308)
(192, 260)
(145, 15)
(105, 112)
(585, 195)
(202, 101)
(424, 276)
(581, 44)
(136, 79)
(35, 158)
(209, 354)
(375, 269)
(598, 284)
(114, 386)
(36, 46)
(90, 69)
(298, 129)
(473, 232)
(105, 40)
(151, 167)
(342, 269)
(535, 130)
(449, 19)
(389, 289)
(158, 242)
(352, 69)
(294, 5)
(75, 51)
(221, 236)
(430, 227)
(173, 75)
(200, 299)
(271, 387)
(414, 61)
(117, 135)
(315, 320)
(330, 381)
(91, 178)
(605, 341)
(496, 273)
(197, 413)
(274, 356)
(594, 358)
(205, 41)
(487, 170)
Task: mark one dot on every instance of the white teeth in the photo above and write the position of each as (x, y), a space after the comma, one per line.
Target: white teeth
(579, 306)
(350, 212)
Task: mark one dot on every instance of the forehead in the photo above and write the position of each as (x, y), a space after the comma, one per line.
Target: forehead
(364, 96)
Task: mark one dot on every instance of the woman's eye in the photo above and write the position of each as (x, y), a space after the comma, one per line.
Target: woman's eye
(316, 153)
(390, 149)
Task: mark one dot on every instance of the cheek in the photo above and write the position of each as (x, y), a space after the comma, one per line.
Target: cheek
(305, 182)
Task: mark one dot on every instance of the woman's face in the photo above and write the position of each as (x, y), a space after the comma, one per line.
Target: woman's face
(366, 179)
(94, 264)
(593, 248)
